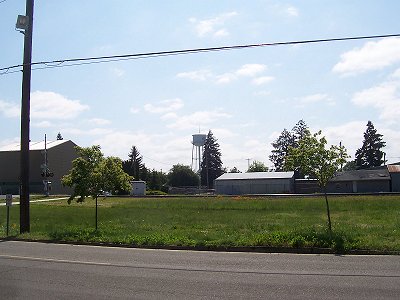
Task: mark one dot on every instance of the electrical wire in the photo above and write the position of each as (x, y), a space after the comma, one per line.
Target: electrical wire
(160, 162)
(112, 58)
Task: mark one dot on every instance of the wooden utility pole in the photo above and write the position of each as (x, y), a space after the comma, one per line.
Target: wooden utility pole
(25, 118)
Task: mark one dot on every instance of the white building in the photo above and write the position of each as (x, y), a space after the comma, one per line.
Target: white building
(138, 188)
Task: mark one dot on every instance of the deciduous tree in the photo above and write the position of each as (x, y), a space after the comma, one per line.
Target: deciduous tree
(317, 161)
(181, 175)
(257, 166)
(92, 174)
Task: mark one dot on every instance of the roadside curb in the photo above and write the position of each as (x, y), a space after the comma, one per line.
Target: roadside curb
(251, 249)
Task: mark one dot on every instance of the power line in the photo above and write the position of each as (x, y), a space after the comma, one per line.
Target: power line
(160, 162)
(112, 58)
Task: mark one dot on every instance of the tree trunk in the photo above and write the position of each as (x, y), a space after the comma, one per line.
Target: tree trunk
(96, 213)
(328, 211)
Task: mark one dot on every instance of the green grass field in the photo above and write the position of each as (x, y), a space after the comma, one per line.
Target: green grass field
(359, 222)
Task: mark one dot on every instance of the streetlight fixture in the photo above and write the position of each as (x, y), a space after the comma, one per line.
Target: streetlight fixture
(22, 23)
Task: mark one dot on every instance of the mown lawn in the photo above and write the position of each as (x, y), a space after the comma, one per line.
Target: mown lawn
(359, 222)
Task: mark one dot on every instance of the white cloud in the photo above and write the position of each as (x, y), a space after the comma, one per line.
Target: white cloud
(262, 93)
(42, 124)
(10, 110)
(222, 133)
(159, 151)
(292, 11)
(251, 70)
(225, 78)
(200, 75)
(200, 118)
(45, 106)
(164, 106)
(99, 121)
(350, 134)
(169, 116)
(86, 132)
(221, 33)
(384, 97)
(262, 80)
(246, 70)
(396, 74)
(214, 26)
(372, 56)
(134, 110)
(118, 72)
(50, 105)
(315, 98)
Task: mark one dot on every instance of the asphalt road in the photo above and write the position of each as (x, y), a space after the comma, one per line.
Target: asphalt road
(52, 271)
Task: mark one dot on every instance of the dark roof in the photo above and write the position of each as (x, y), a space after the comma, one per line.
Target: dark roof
(359, 175)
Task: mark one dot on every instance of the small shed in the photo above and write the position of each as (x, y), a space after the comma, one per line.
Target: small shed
(360, 181)
(394, 171)
(138, 188)
(255, 183)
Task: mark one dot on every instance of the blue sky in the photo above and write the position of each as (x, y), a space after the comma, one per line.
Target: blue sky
(246, 97)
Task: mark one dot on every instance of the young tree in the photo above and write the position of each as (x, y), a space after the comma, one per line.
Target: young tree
(316, 161)
(370, 153)
(181, 175)
(134, 165)
(211, 164)
(257, 166)
(92, 174)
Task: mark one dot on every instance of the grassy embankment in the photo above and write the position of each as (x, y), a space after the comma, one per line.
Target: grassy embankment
(359, 222)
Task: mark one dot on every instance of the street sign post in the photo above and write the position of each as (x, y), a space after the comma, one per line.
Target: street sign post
(8, 204)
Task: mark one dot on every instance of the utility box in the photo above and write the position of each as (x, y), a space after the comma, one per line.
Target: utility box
(138, 188)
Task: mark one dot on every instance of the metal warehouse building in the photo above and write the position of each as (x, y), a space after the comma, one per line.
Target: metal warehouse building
(255, 183)
(361, 181)
(60, 155)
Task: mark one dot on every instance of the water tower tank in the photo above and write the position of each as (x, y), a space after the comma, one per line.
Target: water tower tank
(199, 139)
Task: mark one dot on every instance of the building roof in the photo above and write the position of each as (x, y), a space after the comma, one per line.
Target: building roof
(360, 175)
(394, 168)
(256, 175)
(33, 145)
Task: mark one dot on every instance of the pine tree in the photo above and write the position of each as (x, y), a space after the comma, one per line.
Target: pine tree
(286, 140)
(281, 148)
(370, 153)
(211, 165)
(299, 131)
(134, 165)
(59, 137)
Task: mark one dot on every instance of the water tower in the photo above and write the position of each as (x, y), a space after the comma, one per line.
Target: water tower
(199, 140)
